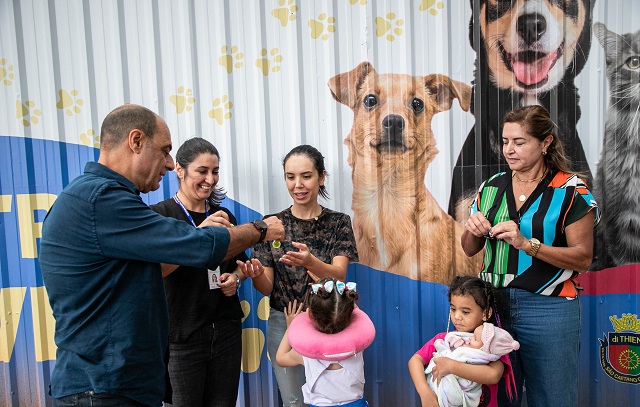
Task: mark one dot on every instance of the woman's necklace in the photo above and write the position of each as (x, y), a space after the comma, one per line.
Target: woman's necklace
(313, 215)
(522, 196)
(530, 180)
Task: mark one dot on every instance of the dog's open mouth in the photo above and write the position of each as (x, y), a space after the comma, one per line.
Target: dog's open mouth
(531, 68)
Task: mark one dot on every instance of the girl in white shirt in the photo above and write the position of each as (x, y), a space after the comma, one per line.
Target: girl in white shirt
(328, 340)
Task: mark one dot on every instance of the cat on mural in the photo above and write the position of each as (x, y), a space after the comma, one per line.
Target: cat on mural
(617, 181)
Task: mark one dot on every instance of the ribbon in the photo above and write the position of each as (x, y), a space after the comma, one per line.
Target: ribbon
(330, 284)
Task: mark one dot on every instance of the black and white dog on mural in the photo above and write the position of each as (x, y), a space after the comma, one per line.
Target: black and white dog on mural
(527, 52)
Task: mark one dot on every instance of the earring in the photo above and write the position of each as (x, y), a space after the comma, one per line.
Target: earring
(448, 322)
(544, 152)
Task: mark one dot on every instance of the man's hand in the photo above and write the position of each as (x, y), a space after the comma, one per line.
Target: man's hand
(275, 228)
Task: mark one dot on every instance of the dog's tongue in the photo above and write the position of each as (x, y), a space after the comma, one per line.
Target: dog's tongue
(533, 72)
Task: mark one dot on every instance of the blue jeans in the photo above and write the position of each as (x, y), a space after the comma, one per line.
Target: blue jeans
(91, 399)
(548, 329)
(290, 379)
(205, 370)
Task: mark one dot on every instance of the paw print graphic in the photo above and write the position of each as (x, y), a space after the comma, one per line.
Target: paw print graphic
(286, 11)
(432, 5)
(90, 138)
(183, 100)
(27, 113)
(221, 109)
(267, 66)
(318, 26)
(231, 58)
(386, 26)
(69, 101)
(253, 339)
(362, 2)
(6, 72)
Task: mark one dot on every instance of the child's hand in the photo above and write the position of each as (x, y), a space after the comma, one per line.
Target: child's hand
(442, 368)
(292, 310)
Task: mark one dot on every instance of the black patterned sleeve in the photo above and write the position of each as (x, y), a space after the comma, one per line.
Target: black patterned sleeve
(262, 252)
(345, 244)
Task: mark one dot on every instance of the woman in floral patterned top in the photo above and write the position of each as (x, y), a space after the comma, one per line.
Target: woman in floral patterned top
(319, 243)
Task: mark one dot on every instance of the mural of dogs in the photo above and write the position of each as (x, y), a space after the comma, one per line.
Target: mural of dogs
(399, 226)
(527, 52)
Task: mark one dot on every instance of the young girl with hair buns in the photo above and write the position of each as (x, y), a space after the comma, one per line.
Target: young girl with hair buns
(328, 340)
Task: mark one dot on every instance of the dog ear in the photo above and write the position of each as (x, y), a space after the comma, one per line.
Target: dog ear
(344, 87)
(445, 90)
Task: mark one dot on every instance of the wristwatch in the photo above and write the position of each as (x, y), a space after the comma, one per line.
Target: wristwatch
(262, 227)
(535, 245)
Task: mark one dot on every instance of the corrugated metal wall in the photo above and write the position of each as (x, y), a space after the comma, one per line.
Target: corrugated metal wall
(250, 76)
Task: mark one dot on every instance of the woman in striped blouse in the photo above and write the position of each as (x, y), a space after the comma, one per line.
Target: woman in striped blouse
(535, 222)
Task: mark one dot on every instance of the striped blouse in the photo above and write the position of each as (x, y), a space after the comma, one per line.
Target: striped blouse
(559, 200)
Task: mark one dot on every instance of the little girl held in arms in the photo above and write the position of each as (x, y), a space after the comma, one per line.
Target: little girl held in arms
(328, 340)
(472, 304)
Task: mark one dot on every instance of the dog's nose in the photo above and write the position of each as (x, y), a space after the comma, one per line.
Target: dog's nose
(531, 27)
(393, 125)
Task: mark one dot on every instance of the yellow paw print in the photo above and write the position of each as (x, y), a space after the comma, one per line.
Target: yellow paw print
(265, 64)
(90, 138)
(432, 5)
(69, 101)
(362, 2)
(221, 109)
(183, 100)
(27, 113)
(253, 339)
(231, 58)
(286, 12)
(6, 72)
(318, 26)
(386, 26)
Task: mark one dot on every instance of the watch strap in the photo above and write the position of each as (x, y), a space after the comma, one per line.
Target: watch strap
(535, 245)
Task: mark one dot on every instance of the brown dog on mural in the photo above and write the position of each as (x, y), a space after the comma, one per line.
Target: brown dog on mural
(399, 226)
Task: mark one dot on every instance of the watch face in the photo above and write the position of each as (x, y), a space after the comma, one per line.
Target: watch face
(260, 224)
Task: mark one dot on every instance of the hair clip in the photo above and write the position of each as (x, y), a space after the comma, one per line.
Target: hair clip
(329, 285)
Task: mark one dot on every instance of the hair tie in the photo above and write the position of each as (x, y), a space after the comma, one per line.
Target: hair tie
(497, 318)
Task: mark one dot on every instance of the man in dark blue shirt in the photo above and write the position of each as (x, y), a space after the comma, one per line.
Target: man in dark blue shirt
(100, 256)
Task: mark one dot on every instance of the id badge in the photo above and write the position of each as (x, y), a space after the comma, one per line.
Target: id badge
(214, 278)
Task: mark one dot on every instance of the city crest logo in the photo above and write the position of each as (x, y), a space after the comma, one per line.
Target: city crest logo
(620, 350)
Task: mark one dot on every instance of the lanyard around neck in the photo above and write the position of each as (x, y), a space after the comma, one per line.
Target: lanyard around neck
(186, 212)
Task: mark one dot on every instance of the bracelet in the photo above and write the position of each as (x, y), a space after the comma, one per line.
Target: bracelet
(237, 281)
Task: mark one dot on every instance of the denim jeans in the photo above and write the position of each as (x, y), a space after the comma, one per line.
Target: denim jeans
(91, 399)
(205, 370)
(548, 329)
(290, 379)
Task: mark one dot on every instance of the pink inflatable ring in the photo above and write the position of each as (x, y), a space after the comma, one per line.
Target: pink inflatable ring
(311, 343)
